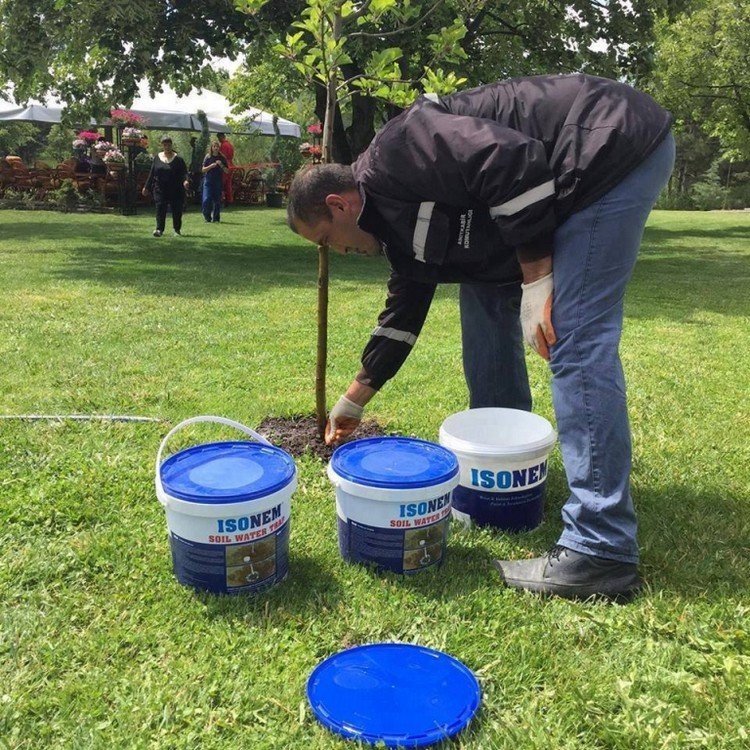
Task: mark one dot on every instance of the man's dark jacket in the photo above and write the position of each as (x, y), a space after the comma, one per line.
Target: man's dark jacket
(459, 188)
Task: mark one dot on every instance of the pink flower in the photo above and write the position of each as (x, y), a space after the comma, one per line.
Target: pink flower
(90, 136)
(126, 117)
(315, 129)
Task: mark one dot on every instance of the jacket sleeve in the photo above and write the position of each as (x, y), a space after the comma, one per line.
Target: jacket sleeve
(462, 160)
(399, 325)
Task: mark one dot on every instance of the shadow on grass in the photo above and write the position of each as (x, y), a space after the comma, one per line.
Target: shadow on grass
(258, 252)
(693, 544)
(262, 252)
(696, 544)
(663, 236)
(308, 590)
(204, 267)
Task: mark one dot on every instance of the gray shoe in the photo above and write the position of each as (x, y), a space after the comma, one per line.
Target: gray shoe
(572, 575)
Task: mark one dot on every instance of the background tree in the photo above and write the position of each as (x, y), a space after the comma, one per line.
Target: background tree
(19, 139)
(519, 37)
(93, 53)
(702, 70)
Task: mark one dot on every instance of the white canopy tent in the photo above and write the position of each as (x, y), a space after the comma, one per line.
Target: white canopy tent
(166, 111)
(49, 111)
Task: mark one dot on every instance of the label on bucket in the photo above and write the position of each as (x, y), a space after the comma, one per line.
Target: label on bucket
(509, 478)
(232, 568)
(243, 551)
(509, 496)
(511, 511)
(401, 537)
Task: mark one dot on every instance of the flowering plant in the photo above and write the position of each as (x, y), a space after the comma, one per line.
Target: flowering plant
(315, 129)
(126, 117)
(79, 144)
(114, 156)
(308, 149)
(90, 136)
(103, 146)
(132, 133)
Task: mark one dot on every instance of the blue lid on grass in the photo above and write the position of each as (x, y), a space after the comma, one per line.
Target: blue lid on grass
(394, 462)
(227, 472)
(395, 693)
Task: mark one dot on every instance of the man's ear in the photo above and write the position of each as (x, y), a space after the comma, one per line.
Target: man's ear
(336, 202)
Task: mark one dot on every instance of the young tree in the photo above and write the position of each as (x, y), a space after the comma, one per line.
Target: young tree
(319, 50)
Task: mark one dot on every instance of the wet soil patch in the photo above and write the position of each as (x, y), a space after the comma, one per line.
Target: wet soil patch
(299, 435)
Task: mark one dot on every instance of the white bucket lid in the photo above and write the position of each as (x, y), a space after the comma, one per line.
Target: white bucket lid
(494, 431)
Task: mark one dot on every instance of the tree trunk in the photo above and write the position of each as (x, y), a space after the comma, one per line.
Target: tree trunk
(320, 365)
(341, 152)
(322, 353)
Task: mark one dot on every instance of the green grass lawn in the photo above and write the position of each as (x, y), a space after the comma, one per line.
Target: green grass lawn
(101, 648)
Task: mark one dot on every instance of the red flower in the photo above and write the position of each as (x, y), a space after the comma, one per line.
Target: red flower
(315, 129)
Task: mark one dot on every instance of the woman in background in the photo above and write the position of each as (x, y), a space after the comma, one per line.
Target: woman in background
(214, 167)
(167, 180)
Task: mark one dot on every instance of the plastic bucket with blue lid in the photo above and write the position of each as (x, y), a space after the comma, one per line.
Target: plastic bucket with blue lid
(503, 455)
(228, 506)
(393, 501)
(395, 694)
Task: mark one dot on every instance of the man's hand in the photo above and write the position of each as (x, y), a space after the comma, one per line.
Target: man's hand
(536, 315)
(343, 420)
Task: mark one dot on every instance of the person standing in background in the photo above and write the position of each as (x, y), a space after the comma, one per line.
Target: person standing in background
(167, 180)
(226, 149)
(214, 169)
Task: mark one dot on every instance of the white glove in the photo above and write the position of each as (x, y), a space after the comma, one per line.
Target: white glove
(343, 419)
(536, 315)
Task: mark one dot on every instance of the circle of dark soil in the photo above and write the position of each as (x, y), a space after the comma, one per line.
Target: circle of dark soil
(299, 435)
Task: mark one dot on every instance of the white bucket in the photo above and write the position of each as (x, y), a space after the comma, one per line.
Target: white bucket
(503, 458)
(228, 507)
(393, 501)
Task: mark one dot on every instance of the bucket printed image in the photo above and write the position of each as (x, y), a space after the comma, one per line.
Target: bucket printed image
(228, 507)
(251, 563)
(393, 501)
(422, 549)
(503, 456)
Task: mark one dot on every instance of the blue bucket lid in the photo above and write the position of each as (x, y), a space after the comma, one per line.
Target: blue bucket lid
(396, 693)
(394, 462)
(227, 472)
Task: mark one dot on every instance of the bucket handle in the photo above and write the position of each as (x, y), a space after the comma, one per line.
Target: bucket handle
(194, 420)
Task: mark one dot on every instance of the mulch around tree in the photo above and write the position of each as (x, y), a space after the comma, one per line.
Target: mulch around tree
(299, 435)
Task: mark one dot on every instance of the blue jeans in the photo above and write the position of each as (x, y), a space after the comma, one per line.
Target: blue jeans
(594, 254)
(494, 364)
(211, 206)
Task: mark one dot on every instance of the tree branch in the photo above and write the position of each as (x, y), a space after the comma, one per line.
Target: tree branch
(410, 81)
(505, 23)
(473, 28)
